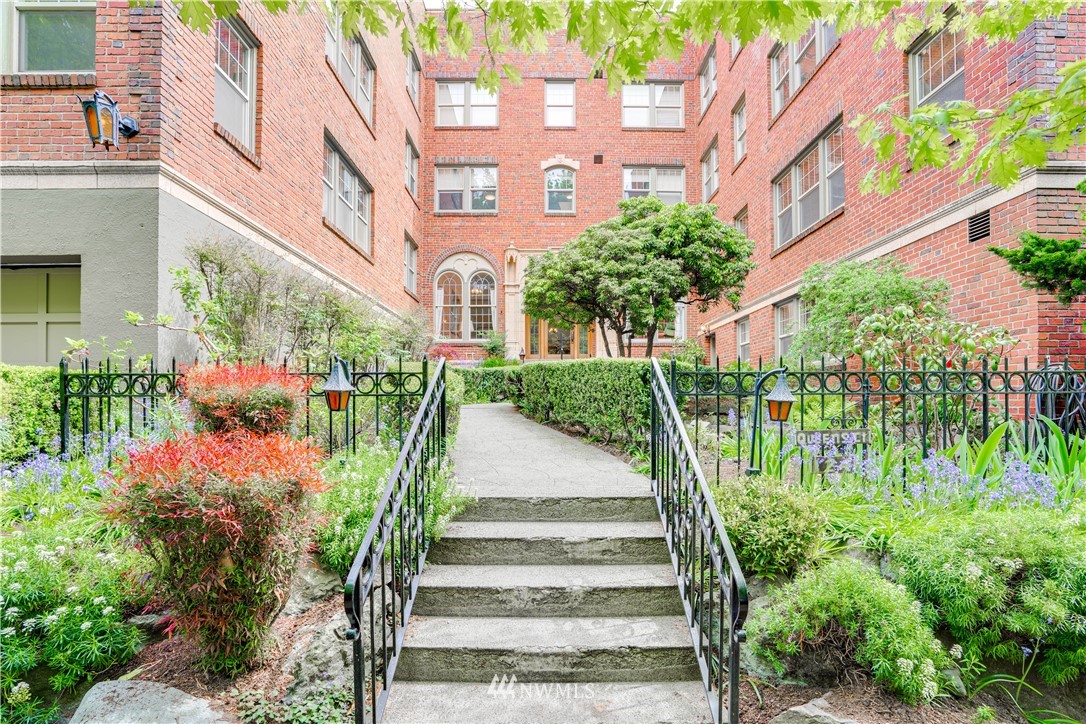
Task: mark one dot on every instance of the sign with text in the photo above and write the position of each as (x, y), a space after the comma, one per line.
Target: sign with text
(833, 438)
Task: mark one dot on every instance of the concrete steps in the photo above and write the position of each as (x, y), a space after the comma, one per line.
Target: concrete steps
(557, 582)
(582, 591)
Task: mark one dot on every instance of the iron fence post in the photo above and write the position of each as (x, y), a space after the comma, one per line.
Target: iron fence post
(65, 415)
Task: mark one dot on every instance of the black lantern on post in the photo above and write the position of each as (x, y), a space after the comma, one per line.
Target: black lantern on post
(780, 400)
(521, 355)
(104, 120)
(338, 387)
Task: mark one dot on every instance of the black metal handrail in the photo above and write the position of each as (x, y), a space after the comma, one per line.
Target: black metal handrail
(713, 589)
(380, 588)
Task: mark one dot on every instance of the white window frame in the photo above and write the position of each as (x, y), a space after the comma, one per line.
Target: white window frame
(780, 333)
(653, 170)
(361, 209)
(247, 137)
(737, 47)
(792, 173)
(739, 130)
(413, 77)
(411, 167)
(352, 60)
(465, 190)
(466, 271)
(547, 105)
(915, 72)
(547, 191)
(653, 121)
(467, 105)
(742, 339)
(784, 62)
(707, 78)
(14, 57)
(741, 221)
(410, 265)
(710, 172)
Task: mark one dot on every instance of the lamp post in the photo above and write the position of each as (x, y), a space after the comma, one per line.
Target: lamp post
(521, 355)
(338, 387)
(779, 401)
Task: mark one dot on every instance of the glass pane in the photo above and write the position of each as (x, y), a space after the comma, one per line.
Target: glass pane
(670, 198)
(669, 117)
(533, 337)
(484, 200)
(582, 340)
(450, 178)
(450, 115)
(635, 116)
(668, 95)
(559, 94)
(669, 179)
(57, 40)
(560, 178)
(635, 95)
(806, 59)
(484, 116)
(450, 200)
(636, 181)
(450, 94)
(560, 116)
(481, 97)
(784, 226)
(558, 341)
(809, 209)
(559, 201)
(954, 90)
(808, 172)
(484, 177)
(836, 189)
(834, 149)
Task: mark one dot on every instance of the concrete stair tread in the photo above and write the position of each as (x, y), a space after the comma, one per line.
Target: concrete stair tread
(572, 576)
(412, 702)
(548, 634)
(553, 529)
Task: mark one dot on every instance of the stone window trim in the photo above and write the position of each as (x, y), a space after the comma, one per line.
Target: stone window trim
(795, 93)
(235, 143)
(17, 81)
(464, 270)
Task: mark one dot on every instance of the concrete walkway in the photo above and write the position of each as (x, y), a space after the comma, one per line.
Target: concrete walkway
(558, 576)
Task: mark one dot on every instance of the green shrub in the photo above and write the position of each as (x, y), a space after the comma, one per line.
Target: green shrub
(499, 362)
(29, 410)
(358, 483)
(1004, 582)
(487, 384)
(605, 398)
(223, 515)
(454, 400)
(842, 612)
(773, 527)
(259, 398)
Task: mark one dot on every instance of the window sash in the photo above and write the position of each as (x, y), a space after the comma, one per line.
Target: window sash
(560, 190)
(739, 129)
(411, 168)
(740, 221)
(643, 105)
(348, 199)
(811, 188)
(710, 173)
(742, 339)
(654, 181)
(464, 188)
(410, 265)
(794, 63)
(235, 79)
(77, 54)
(413, 74)
(558, 110)
(923, 86)
(461, 103)
(788, 324)
(707, 78)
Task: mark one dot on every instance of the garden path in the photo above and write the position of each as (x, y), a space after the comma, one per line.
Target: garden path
(558, 576)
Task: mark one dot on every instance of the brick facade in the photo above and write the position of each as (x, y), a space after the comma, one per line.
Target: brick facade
(163, 74)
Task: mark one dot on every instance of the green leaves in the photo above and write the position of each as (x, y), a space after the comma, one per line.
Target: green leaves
(1056, 266)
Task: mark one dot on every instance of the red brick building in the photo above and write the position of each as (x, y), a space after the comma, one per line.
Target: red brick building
(402, 183)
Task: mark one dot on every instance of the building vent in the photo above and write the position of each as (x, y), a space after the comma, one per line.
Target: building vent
(980, 226)
(597, 158)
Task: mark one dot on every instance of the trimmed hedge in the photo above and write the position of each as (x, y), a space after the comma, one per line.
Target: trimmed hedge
(604, 398)
(29, 409)
(486, 384)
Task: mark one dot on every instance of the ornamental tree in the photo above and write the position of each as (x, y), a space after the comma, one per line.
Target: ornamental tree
(628, 273)
(623, 37)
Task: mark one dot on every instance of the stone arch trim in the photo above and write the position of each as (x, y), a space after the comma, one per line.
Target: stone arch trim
(495, 265)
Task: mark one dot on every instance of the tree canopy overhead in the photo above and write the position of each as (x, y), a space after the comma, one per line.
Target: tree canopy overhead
(628, 273)
(622, 37)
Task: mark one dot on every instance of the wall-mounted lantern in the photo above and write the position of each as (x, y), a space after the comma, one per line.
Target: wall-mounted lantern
(104, 120)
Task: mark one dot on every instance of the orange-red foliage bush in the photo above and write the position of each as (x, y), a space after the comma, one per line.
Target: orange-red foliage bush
(260, 398)
(224, 516)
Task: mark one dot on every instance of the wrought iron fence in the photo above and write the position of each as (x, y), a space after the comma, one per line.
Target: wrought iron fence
(99, 401)
(713, 589)
(924, 411)
(380, 588)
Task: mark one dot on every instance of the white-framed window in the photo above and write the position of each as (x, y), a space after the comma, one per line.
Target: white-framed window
(740, 222)
(50, 37)
(664, 182)
(461, 103)
(348, 198)
(736, 47)
(793, 63)
(560, 97)
(354, 64)
(466, 188)
(411, 167)
(742, 339)
(235, 80)
(707, 78)
(811, 187)
(788, 317)
(652, 105)
(937, 70)
(675, 329)
(414, 76)
(560, 189)
(710, 172)
(410, 264)
(739, 130)
(465, 299)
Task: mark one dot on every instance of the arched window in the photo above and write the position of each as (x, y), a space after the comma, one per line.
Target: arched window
(559, 190)
(465, 315)
(482, 303)
(450, 305)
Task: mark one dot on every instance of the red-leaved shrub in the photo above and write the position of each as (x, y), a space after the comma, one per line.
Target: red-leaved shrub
(442, 349)
(259, 398)
(223, 515)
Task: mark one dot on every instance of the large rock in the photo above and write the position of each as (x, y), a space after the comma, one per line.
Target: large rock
(320, 661)
(143, 702)
(816, 711)
(311, 584)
